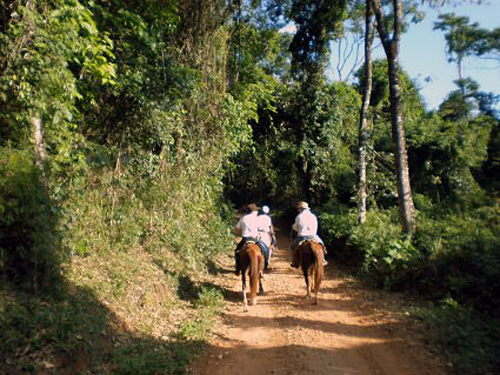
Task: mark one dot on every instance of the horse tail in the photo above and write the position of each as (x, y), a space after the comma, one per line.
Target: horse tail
(319, 268)
(255, 266)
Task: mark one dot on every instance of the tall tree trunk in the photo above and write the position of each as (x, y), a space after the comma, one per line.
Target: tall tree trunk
(40, 154)
(363, 132)
(391, 48)
(40, 160)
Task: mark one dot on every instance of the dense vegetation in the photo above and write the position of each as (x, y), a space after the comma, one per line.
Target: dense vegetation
(131, 131)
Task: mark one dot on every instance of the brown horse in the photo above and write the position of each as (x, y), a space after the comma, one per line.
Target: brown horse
(251, 261)
(311, 262)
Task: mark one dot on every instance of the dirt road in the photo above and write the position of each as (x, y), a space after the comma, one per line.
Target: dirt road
(351, 331)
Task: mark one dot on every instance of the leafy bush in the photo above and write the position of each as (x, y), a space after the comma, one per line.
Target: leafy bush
(463, 258)
(467, 338)
(337, 226)
(387, 256)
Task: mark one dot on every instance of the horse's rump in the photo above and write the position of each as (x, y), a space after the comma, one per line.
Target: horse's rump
(251, 261)
(251, 251)
(310, 252)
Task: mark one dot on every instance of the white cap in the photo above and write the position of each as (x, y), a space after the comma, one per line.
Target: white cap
(265, 209)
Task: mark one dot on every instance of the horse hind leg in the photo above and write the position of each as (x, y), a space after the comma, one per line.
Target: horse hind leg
(316, 288)
(244, 291)
(261, 276)
(318, 273)
(261, 288)
(305, 271)
(253, 296)
(316, 298)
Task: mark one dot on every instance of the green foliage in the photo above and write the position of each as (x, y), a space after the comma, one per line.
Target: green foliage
(387, 256)
(120, 211)
(338, 226)
(302, 150)
(450, 254)
(62, 325)
(466, 39)
(144, 358)
(466, 338)
(29, 251)
(209, 303)
(76, 330)
(446, 154)
(316, 23)
(48, 49)
(463, 258)
(490, 171)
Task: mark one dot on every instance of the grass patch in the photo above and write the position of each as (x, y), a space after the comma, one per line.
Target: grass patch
(153, 358)
(208, 305)
(51, 332)
(173, 357)
(147, 328)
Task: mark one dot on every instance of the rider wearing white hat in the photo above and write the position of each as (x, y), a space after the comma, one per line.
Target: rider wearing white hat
(306, 226)
(266, 233)
(249, 228)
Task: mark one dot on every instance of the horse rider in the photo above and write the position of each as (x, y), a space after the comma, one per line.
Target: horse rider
(248, 228)
(266, 232)
(306, 226)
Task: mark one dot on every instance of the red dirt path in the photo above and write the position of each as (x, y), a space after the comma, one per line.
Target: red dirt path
(351, 331)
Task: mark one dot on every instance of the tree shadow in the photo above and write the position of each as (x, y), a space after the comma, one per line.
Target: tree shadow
(73, 332)
(215, 269)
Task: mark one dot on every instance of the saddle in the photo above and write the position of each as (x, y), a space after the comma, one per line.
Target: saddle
(308, 238)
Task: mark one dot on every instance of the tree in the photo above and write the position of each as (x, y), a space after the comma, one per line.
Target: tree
(391, 47)
(468, 39)
(367, 90)
(458, 38)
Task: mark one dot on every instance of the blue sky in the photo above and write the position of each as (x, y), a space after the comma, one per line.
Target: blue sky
(423, 54)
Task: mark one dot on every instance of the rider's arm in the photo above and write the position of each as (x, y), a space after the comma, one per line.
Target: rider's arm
(238, 229)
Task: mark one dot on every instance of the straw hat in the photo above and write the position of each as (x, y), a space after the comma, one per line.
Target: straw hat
(302, 205)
